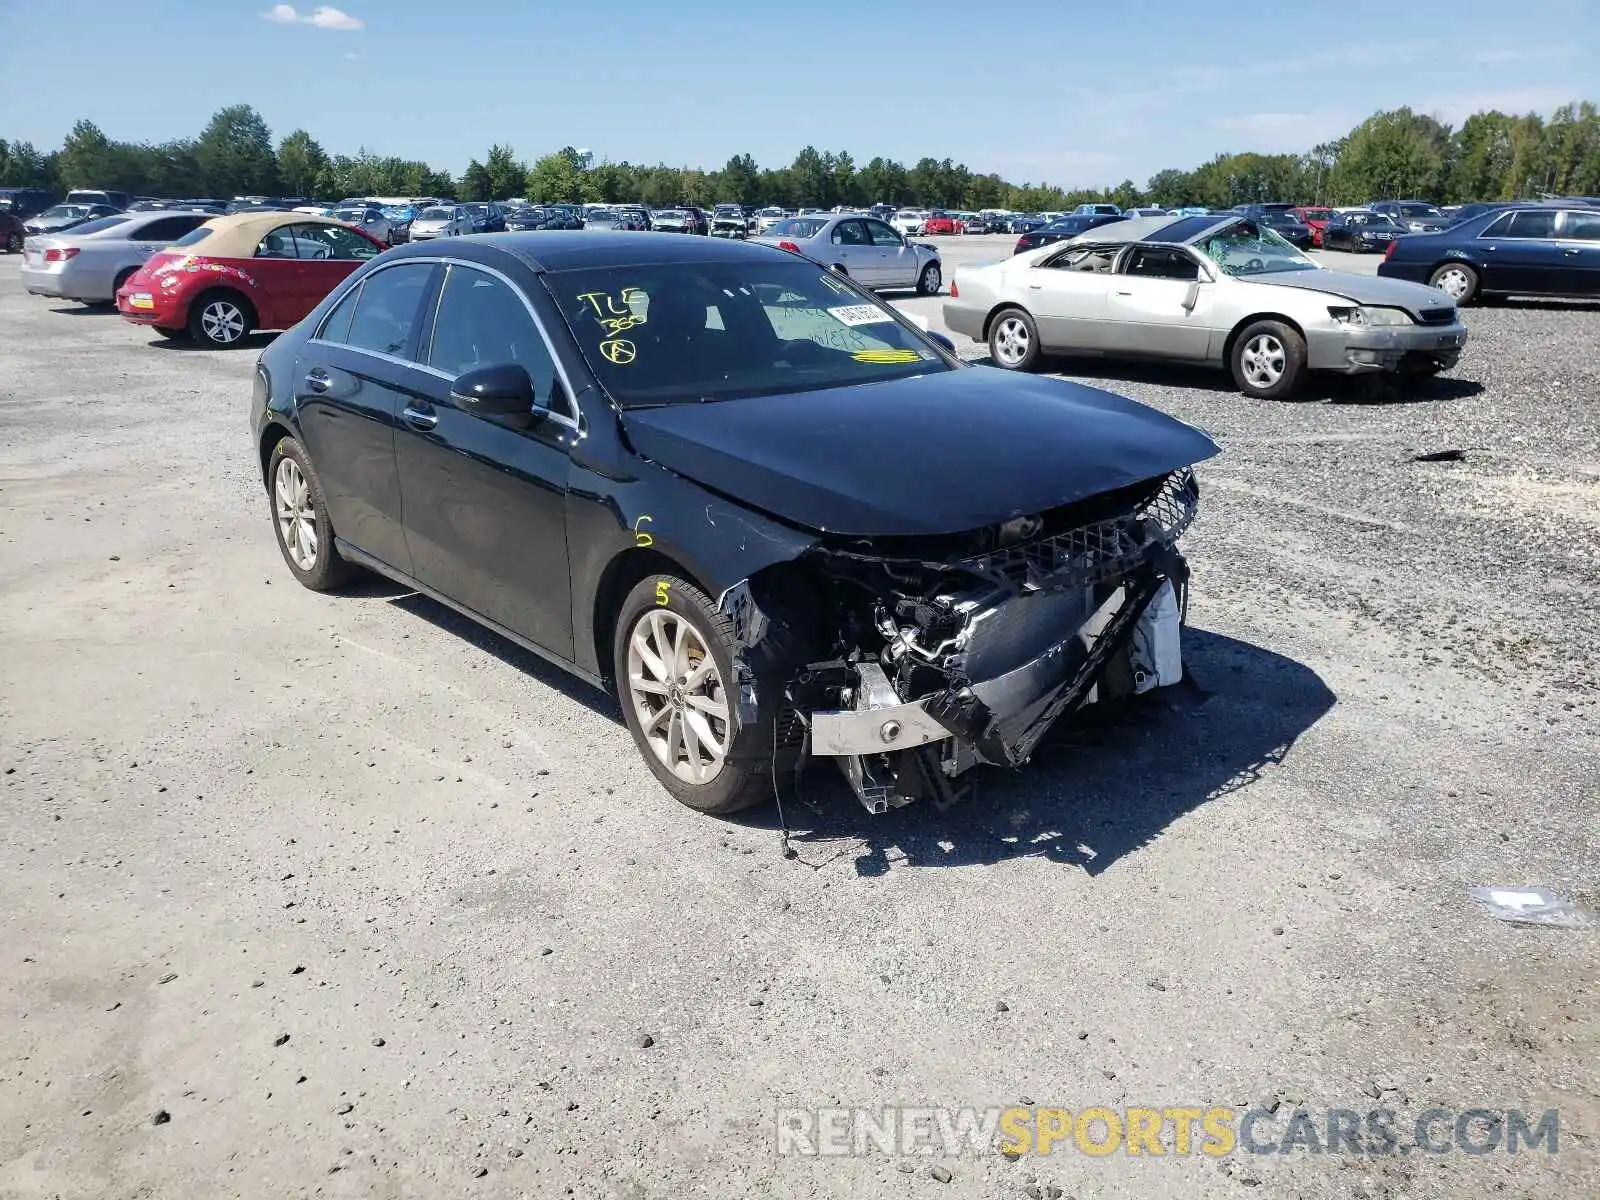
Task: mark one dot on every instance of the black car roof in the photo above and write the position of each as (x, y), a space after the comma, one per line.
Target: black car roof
(586, 249)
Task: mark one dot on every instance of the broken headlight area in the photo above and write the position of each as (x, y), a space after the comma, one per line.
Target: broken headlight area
(943, 653)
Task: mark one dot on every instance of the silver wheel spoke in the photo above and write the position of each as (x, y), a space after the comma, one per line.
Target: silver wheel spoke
(709, 705)
(677, 695)
(649, 687)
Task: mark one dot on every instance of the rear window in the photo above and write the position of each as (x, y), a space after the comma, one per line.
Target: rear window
(98, 224)
(435, 214)
(679, 334)
(193, 236)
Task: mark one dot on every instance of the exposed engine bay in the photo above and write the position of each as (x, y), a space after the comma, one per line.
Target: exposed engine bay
(941, 653)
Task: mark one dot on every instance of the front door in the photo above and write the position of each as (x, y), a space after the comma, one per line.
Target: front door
(897, 259)
(485, 506)
(348, 397)
(1580, 251)
(1145, 311)
(328, 255)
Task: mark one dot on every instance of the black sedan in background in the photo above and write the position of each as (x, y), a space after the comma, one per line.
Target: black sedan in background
(1524, 250)
(1062, 229)
(1360, 232)
(741, 491)
(1287, 226)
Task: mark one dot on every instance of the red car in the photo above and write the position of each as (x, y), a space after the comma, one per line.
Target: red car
(234, 275)
(1317, 219)
(939, 222)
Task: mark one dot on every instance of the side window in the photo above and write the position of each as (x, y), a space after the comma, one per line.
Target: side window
(850, 233)
(168, 228)
(334, 241)
(336, 328)
(882, 235)
(385, 309)
(1581, 226)
(1533, 223)
(1161, 264)
(1497, 228)
(482, 321)
(278, 243)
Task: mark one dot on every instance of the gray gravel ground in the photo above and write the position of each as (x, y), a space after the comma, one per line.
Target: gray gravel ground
(338, 896)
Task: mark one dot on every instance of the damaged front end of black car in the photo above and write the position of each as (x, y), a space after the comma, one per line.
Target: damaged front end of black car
(940, 653)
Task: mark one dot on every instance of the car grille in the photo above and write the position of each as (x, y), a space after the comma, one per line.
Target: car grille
(1102, 550)
(1436, 316)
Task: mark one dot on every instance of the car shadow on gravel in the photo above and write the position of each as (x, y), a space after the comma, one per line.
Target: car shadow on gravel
(97, 308)
(254, 341)
(1096, 791)
(530, 664)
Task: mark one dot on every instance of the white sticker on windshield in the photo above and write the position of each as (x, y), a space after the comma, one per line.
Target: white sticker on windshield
(860, 314)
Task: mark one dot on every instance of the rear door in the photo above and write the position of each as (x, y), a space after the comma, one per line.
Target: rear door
(1520, 253)
(485, 506)
(349, 386)
(853, 247)
(1579, 238)
(1067, 296)
(1145, 311)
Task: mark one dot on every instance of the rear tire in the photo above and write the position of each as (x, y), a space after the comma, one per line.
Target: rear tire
(300, 519)
(1014, 340)
(221, 319)
(1456, 280)
(680, 710)
(14, 243)
(1268, 360)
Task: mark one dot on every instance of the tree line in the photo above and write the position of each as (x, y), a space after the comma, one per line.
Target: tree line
(1401, 153)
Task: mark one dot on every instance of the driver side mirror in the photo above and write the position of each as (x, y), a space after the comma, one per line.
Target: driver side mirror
(945, 343)
(501, 393)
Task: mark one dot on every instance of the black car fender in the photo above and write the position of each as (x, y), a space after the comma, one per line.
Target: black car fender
(652, 521)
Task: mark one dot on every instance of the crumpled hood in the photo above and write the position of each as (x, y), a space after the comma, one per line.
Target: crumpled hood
(1361, 289)
(932, 454)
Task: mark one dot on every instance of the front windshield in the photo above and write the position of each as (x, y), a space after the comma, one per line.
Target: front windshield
(1419, 210)
(1373, 221)
(679, 333)
(1247, 249)
(1318, 214)
(435, 214)
(350, 214)
(800, 227)
(65, 210)
(401, 212)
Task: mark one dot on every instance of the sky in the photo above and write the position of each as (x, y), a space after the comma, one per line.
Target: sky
(1074, 94)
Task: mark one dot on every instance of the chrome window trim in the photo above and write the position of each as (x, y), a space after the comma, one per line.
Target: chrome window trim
(571, 421)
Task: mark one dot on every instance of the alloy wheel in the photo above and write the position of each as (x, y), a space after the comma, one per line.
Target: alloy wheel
(297, 519)
(931, 279)
(1264, 360)
(1011, 341)
(678, 696)
(222, 321)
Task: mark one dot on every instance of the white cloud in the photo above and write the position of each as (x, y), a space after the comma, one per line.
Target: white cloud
(1286, 132)
(323, 17)
(1453, 109)
(351, 57)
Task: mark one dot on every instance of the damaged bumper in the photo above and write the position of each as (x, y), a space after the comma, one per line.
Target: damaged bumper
(1358, 351)
(978, 666)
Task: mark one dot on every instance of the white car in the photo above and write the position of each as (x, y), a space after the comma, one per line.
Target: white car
(1224, 291)
(441, 220)
(91, 261)
(368, 218)
(910, 221)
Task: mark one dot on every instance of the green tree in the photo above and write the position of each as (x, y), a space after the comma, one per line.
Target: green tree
(740, 181)
(811, 179)
(1392, 154)
(883, 181)
(23, 166)
(234, 154)
(300, 162)
(555, 178)
(87, 158)
(508, 175)
(476, 182)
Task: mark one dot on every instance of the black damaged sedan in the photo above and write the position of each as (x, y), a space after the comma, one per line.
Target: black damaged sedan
(778, 519)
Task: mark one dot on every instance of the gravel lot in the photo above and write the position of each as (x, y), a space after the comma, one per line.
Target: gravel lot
(368, 903)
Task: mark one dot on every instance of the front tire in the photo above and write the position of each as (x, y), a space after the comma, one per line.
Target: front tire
(1456, 280)
(1268, 360)
(672, 657)
(300, 519)
(1014, 340)
(930, 281)
(14, 243)
(221, 320)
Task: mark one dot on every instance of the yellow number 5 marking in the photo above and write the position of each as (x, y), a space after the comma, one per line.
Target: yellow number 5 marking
(641, 539)
(661, 591)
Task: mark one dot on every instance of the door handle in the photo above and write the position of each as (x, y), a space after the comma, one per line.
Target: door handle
(318, 380)
(1571, 251)
(418, 418)
(1124, 293)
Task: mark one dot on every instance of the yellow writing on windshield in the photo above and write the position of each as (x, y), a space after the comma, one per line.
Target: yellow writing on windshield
(889, 357)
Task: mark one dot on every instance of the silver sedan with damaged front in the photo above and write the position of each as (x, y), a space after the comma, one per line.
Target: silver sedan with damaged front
(1221, 291)
(868, 250)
